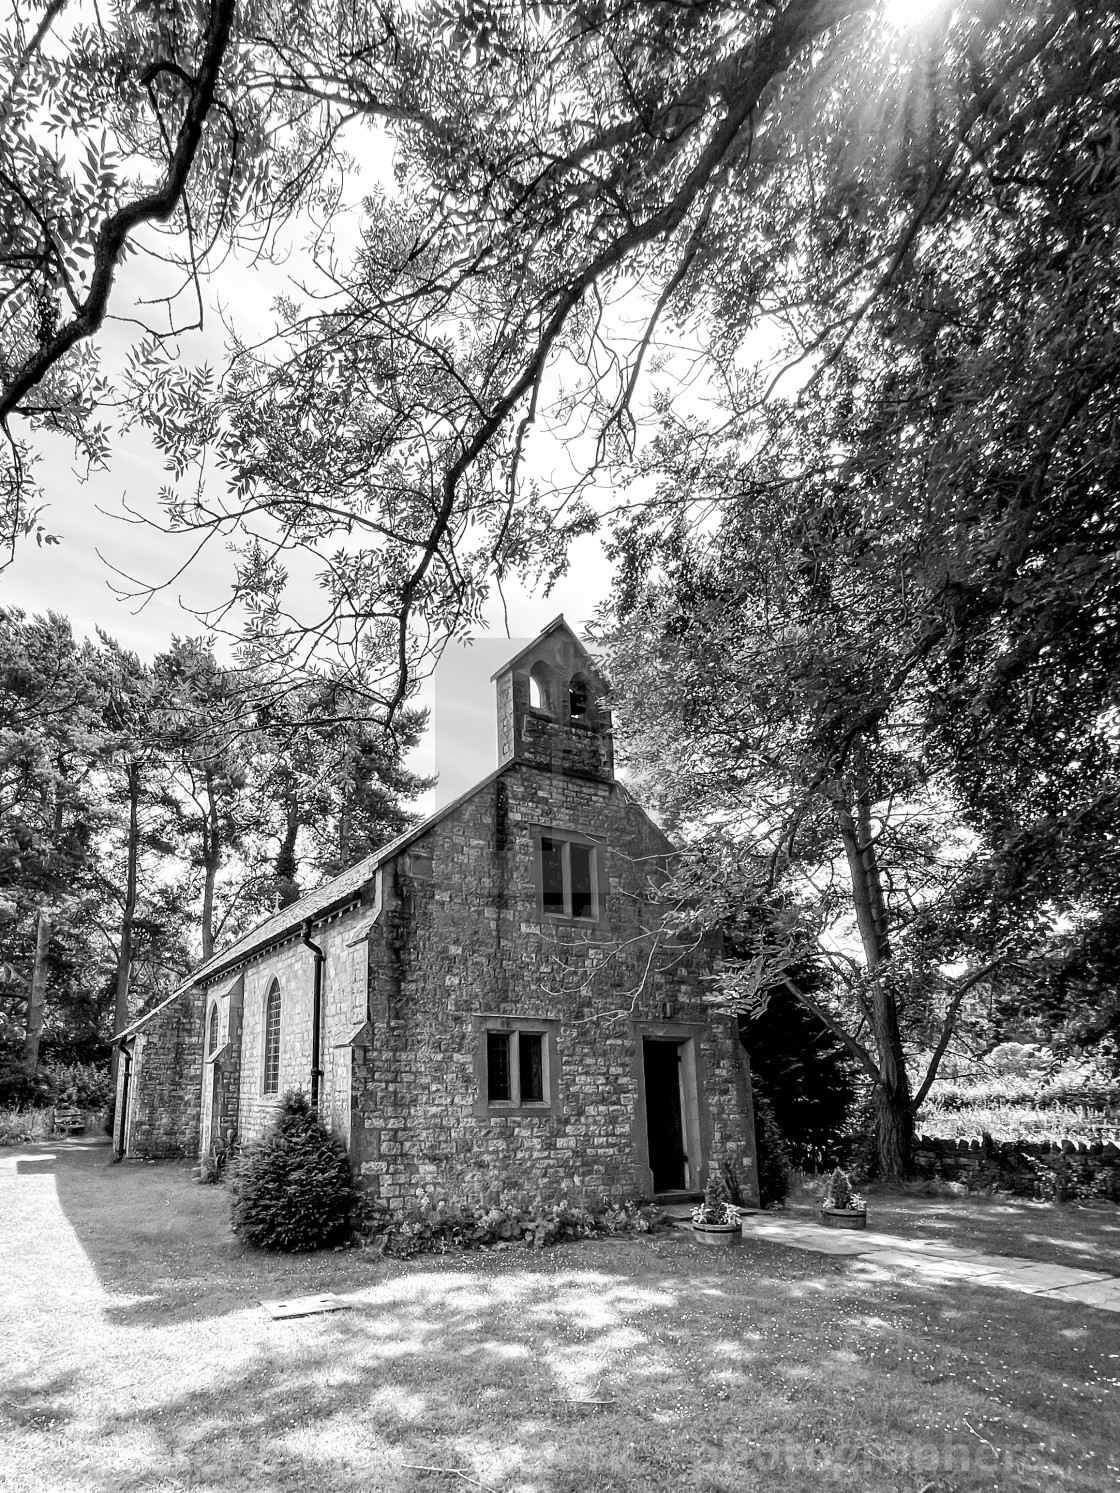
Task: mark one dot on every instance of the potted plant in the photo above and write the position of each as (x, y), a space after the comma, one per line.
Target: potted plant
(716, 1220)
(842, 1208)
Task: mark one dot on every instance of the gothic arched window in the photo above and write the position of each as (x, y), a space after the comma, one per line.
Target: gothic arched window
(212, 1033)
(579, 705)
(271, 1083)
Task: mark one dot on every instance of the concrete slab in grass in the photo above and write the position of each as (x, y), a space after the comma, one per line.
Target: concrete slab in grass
(941, 1247)
(829, 1244)
(1038, 1278)
(1104, 1294)
(932, 1267)
(779, 1231)
(304, 1306)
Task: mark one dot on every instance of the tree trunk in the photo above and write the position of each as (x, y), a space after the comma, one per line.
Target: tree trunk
(37, 997)
(286, 856)
(211, 860)
(128, 914)
(893, 1108)
(866, 880)
(894, 1130)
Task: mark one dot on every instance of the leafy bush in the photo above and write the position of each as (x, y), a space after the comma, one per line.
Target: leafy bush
(773, 1161)
(1027, 1075)
(18, 1125)
(443, 1228)
(292, 1190)
(85, 1085)
(20, 1089)
(213, 1163)
(1017, 1122)
(1024, 1059)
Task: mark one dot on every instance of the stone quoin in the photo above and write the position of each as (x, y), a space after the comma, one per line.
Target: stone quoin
(501, 1018)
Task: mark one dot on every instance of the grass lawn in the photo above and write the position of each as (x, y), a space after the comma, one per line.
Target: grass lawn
(135, 1355)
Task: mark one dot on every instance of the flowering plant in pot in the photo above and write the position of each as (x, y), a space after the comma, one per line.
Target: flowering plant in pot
(716, 1220)
(842, 1208)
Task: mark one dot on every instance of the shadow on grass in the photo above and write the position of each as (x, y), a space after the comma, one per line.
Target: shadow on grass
(626, 1367)
(27, 1399)
(548, 1374)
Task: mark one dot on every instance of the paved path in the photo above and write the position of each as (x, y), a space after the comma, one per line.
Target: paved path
(932, 1260)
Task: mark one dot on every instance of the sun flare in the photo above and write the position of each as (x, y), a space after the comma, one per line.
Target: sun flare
(903, 13)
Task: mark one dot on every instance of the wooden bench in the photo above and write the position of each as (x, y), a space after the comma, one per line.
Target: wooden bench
(69, 1118)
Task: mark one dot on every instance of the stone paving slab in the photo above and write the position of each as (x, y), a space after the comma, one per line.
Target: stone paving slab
(779, 1230)
(1038, 1277)
(830, 1244)
(935, 1260)
(1100, 1293)
(939, 1267)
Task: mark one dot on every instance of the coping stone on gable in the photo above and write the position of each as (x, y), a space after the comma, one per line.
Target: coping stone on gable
(559, 621)
(361, 1036)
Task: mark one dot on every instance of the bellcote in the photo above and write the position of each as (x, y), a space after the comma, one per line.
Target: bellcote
(550, 710)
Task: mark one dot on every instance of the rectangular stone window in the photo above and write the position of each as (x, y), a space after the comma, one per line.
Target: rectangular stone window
(499, 1074)
(516, 1064)
(552, 874)
(530, 1052)
(568, 869)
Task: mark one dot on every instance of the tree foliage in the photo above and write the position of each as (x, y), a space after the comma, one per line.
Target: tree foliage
(547, 156)
(140, 814)
(879, 610)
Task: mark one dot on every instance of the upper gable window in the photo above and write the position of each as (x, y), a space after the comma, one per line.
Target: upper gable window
(271, 1077)
(540, 691)
(579, 699)
(569, 873)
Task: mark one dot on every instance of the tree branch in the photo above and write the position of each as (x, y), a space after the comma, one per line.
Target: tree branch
(154, 206)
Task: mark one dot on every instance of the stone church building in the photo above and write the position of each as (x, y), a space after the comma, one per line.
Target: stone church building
(484, 1009)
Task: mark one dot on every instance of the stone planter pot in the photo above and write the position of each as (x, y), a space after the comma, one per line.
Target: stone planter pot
(718, 1234)
(844, 1218)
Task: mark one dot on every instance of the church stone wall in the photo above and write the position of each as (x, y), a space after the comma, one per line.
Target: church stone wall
(462, 941)
(165, 1082)
(293, 965)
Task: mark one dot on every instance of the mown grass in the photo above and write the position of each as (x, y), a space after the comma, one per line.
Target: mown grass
(137, 1357)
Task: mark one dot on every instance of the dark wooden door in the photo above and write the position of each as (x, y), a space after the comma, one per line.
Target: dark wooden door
(664, 1123)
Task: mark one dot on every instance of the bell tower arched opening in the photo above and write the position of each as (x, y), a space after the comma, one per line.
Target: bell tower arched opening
(540, 689)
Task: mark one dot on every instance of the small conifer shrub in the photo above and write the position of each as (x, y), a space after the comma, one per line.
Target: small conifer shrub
(840, 1194)
(717, 1206)
(839, 1190)
(293, 1190)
